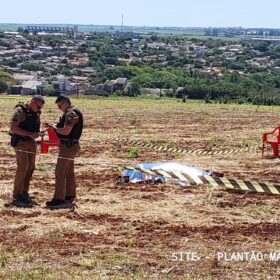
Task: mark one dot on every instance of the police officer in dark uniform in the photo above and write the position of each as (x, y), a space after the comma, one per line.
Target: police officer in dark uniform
(69, 130)
(24, 128)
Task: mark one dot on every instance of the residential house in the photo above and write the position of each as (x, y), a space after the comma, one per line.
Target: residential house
(44, 49)
(21, 78)
(32, 87)
(64, 85)
(121, 83)
(96, 90)
(109, 85)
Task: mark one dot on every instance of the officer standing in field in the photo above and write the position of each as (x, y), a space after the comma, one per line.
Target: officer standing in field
(69, 130)
(24, 129)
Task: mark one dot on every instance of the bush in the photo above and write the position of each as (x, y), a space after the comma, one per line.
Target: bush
(3, 86)
(31, 66)
(132, 153)
(117, 93)
(49, 90)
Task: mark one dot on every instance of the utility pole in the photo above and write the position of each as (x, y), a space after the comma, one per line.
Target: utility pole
(122, 27)
(77, 88)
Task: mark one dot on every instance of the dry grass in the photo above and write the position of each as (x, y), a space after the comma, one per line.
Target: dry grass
(131, 231)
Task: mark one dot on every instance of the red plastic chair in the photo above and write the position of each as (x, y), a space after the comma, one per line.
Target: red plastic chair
(53, 141)
(274, 143)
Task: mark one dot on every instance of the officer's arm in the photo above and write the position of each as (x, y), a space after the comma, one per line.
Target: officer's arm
(64, 130)
(19, 131)
(70, 120)
(17, 118)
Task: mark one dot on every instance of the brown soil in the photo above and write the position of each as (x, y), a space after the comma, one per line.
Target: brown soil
(134, 230)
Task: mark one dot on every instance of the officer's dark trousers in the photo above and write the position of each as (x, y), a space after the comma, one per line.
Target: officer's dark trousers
(65, 183)
(25, 155)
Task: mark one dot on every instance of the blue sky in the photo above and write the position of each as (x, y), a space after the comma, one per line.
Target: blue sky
(185, 13)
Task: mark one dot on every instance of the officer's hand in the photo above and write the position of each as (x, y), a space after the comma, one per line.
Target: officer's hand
(52, 126)
(34, 135)
(46, 125)
(42, 133)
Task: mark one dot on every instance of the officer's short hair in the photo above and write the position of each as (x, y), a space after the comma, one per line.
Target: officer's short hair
(38, 97)
(63, 98)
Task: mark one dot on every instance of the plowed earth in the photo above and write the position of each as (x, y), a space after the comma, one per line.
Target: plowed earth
(142, 231)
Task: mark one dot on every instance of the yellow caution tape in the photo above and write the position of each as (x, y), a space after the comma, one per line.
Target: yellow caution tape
(229, 183)
(251, 149)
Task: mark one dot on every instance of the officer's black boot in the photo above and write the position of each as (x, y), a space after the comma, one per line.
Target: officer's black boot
(69, 198)
(20, 200)
(58, 204)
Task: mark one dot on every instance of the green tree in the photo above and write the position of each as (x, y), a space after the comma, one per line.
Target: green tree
(145, 80)
(234, 77)
(3, 86)
(31, 66)
(135, 89)
(5, 76)
(49, 90)
(20, 30)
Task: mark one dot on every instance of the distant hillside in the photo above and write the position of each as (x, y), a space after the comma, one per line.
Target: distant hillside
(112, 28)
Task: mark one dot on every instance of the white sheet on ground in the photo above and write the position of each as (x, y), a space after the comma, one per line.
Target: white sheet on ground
(181, 171)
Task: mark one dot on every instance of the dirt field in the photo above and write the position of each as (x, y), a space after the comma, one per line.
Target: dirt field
(146, 231)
